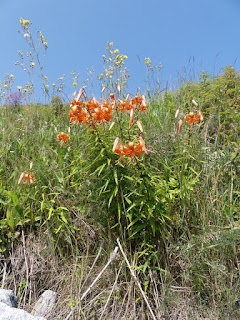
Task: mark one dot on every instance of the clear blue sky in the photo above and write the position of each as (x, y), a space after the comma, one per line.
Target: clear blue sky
(186, 36)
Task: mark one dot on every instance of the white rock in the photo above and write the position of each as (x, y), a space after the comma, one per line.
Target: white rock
(8, 313)
(45, 303)
(8, 297)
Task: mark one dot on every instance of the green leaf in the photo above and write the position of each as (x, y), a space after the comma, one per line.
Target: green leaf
(167, 217)
(119, 211)
(194, 171)
(50, 213)
(153, 226)
(63, 218)
(129, 178)
(104, 187)
(132, 206)
(137, 229)
(115, 176)
(62, 208)
(134, 221)
(114, 192)
(115, 225)
(128, 200)
(99, 170)
(10, 220)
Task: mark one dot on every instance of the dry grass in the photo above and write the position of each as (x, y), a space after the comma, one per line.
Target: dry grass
(32, 268)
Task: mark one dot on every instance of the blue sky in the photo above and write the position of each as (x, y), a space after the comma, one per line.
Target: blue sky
(186, 36)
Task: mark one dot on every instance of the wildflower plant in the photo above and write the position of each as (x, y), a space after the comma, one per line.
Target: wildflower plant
(115, 74)
(16, 99)
(153, 78)
(35, 56)
(57, 104)
(116, 151)
(74, 78)
(60, 84)
(6, 88)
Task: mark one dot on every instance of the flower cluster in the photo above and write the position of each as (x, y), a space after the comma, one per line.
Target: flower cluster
(43, 40)
(131, 149)
(27, 177)
(75, 78)
(115, 58)
(147, 61)
(192, 118)
(63, 137)
(15, 98)
(24, 22)
(90, 112)
(115, 73)
(135, 103)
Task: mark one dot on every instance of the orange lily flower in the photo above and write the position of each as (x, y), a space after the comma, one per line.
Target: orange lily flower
(192, 118)
(27, 177)
(130, 150)
(63, 137)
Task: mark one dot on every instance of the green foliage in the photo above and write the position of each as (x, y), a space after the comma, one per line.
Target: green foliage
(207, 264)
(57, 104)
(219, 100)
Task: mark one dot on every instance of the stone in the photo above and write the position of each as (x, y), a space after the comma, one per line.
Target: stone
(9, 313)
(9, 298)
(44, 304)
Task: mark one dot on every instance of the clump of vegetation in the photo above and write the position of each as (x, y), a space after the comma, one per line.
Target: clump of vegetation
(57, 104)
(160, 173)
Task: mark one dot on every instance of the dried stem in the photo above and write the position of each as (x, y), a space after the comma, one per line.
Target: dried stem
(135, 278)
(96, 259)
(112, 257)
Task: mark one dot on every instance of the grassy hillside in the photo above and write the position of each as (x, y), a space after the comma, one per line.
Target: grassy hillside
(175, 207)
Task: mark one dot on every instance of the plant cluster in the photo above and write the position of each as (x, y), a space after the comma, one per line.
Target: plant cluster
(91, 112)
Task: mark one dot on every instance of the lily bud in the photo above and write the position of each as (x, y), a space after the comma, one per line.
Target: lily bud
(180, 124)
(194, 102)
(176, 114)
(94, 100)
(112, 124)
(131, 118)
(115, 144)
(142, 143)
(79, 94)
(139, 126)
(144, 100)
(21, 177)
